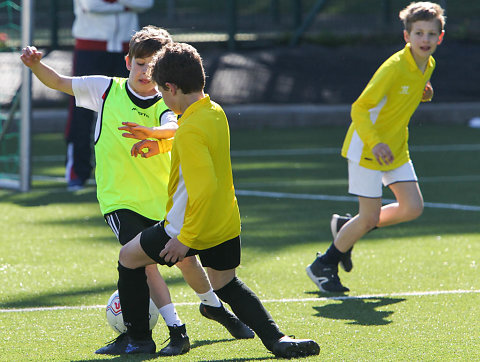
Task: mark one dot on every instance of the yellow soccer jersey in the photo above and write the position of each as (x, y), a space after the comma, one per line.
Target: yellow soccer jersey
(202, 209)
(383, 111)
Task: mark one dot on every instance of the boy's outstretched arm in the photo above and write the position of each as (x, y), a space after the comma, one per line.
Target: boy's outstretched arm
(138, 132)
(31, 57)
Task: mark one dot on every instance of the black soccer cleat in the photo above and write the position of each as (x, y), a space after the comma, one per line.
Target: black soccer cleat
(124, 344)
(287, 347)
(336, 223)
(325, 276)
(235, 326)
(346, 261)
(179, 342)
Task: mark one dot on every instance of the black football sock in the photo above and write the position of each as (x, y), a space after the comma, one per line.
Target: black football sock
(135, 301)
(249, 309)
(331, 256)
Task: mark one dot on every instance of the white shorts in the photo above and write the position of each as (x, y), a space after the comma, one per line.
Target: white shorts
(368, 183)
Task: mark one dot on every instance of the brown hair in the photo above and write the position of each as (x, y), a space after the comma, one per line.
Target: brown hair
(423, 10)
(180, 64)
(148, 41)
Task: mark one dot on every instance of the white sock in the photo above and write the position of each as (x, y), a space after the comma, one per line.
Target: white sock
(169, 314)
(210, 298)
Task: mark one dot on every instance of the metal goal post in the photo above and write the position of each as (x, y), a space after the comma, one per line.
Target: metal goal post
(15, 119)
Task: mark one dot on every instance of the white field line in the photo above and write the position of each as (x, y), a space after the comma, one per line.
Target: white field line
(335, 150)
(328, 150)
(293, 300)
(286, 195)
(305, 151)
(432, 179)
(422, 180)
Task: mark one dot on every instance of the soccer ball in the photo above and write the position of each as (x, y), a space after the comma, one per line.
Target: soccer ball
(115, 317)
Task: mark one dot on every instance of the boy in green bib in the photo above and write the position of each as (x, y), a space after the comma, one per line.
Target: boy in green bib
(132, 193)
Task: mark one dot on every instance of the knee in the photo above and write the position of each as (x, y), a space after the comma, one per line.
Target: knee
(415, 211)
(188, 263)
(369, 222)
(151, 270)
(122, 257)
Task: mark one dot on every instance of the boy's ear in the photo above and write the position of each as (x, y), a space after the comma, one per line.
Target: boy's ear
(406, 36)
(440, 38)
(128, 62)
(172, 88)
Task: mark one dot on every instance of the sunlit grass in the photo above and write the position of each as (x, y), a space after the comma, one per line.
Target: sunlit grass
(414, 287)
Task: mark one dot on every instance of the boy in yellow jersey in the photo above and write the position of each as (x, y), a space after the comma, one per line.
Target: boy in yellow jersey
(202, 211)
(133, 193)
(376, 143)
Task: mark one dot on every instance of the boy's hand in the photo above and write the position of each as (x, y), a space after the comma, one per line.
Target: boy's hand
(174, 251)
(136, 131)
(151, 146)
(383, 154)
(427, 92)
(30, 56)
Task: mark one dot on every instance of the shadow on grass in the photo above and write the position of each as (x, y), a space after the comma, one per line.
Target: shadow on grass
(238, 359)
(206, 342)
(360, 311)
(196, 344)
(52, 194)
(55, 299)
(68, 298)
(130, 357)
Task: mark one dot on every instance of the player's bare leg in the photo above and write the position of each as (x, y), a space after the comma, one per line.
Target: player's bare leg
(409, 205)
(220, 278)
(367, 218)
(132, 255)
(323, 271)
(194, 274)
(158, 288)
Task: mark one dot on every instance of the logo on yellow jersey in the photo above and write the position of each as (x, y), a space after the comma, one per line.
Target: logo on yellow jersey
(404, 89)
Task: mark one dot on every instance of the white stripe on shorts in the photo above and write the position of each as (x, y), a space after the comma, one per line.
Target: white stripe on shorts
(111, 222)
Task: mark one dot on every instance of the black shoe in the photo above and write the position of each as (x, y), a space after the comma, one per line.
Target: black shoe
(337, 222)
(179, 342)
(235, 326)
(346, 261)
(124, 344)
(325, 276)
(287, 347)
(335, 225)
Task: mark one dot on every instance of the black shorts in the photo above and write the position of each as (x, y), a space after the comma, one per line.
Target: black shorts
(221, 257)
(126, 224)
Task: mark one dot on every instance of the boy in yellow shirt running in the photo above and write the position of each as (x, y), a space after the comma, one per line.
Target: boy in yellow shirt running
(376, 144)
